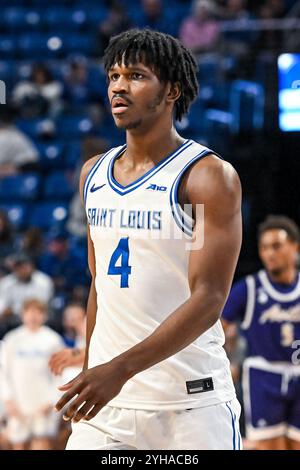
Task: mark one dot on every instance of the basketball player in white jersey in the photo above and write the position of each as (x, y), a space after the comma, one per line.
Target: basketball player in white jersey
(29, 389)
(156, 375)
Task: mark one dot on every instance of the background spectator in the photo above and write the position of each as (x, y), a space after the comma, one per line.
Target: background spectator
(200, 32)
(32, 243)
(237, 34)
(16, 150)
(72, 357)
(40, 94)
(7, 242)
(61, 263)
(116, 22)
(80, 88)
(152, 15)
(74, 325)
(24, 283)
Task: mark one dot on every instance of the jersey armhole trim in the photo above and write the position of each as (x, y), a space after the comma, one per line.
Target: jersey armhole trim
(250, 303)
(275, 294)
(92, 172)
(183, 219)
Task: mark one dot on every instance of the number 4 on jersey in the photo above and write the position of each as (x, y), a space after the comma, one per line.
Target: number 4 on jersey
(123, 270)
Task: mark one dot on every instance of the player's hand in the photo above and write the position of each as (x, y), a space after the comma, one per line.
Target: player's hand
(60, 360)
(93, 389)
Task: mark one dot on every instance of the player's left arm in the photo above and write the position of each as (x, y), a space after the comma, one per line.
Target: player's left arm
(214, 184)
(220, 191)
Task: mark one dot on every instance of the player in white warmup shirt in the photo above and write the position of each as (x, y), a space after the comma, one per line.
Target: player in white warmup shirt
(156, 375)
(29, 389)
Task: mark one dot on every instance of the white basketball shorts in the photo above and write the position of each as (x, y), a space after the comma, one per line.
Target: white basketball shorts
(211, 428)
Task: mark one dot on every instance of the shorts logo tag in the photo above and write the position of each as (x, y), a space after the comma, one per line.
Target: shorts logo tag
(200, 386)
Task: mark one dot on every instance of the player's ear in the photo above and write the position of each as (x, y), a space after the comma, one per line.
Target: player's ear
(174, 92)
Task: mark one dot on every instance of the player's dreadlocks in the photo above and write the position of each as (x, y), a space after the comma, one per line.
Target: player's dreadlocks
(171, 61)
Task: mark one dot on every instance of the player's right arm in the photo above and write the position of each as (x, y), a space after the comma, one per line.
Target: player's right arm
(235, 307)
(92, 299)
(232, 315)
(67, 357)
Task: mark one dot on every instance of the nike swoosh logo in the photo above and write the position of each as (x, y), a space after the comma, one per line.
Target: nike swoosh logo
(95, 188)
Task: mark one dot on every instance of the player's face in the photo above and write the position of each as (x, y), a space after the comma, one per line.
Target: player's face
(73, 318)
(24, 271)
(136, 96)
(276, 251)
(33, 318)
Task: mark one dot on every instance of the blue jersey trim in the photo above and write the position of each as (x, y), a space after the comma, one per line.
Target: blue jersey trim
(89, 176)
(177, 211)
(233, 426)
(122, 190)
(237, 431)
(92, 172)
(180, 221)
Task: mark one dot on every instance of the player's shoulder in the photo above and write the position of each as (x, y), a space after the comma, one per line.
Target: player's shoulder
(51, 334)
(260, 277)
(212, 178)
(247, 281)
(7, 282)
(87, 168)
(88, 165)
(12, 335)
(240, 285)
(40, 276)
(214, 169)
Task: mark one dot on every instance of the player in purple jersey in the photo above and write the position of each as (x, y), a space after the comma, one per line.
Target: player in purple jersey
(267, 305)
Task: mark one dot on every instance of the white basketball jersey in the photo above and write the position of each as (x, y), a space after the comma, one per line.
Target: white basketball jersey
(140, 237)
(27, 378)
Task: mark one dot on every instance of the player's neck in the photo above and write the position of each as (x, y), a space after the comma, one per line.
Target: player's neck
(153, 145)
(33, 329)
(286, 277)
